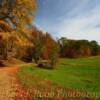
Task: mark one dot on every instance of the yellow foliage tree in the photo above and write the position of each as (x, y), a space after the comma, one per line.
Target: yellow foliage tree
(17, 13)
(15, 16)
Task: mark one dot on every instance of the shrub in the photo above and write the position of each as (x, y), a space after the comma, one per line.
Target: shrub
(45, 64)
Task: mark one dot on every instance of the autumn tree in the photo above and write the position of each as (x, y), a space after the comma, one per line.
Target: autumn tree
(62, 42)
(2, 48)
(51, 50)
(37, 40)
(94, 48)
(15, 17)
(37, 51)
(78, 48)
(16, 13)
(45, 47)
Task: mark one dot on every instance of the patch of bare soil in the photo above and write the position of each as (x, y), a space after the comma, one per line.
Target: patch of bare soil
(6, 83)
(9, 88)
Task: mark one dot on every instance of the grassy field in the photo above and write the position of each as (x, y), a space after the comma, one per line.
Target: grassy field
(79, 74)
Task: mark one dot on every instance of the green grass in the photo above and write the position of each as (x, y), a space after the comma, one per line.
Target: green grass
(80, 74)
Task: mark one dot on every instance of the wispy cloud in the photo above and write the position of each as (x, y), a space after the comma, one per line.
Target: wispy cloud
(82, 22)
(77, 19)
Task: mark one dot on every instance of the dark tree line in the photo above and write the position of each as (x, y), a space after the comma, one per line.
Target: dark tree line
(78, 48)
(41, 46)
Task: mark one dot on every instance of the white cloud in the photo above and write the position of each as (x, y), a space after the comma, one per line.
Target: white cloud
(82, 26)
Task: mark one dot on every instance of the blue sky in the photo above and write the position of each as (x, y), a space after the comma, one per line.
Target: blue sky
(74, 19)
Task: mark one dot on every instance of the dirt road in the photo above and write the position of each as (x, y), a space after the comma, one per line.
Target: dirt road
(10, 89)
(7, 83)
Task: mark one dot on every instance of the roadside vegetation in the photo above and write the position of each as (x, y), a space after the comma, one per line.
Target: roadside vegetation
(74, 74)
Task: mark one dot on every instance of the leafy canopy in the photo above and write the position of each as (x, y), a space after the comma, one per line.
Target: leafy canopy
(17, 13)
